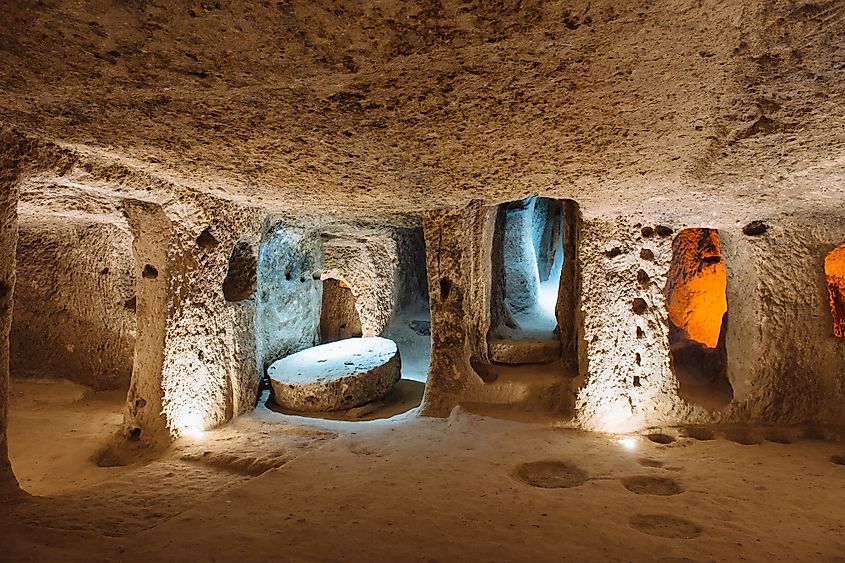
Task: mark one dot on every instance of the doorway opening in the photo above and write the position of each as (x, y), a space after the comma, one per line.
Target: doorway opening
(338, 317)
(698, 312)
(533, 282)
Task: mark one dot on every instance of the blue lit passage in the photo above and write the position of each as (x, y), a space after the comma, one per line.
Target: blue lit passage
(532, 262)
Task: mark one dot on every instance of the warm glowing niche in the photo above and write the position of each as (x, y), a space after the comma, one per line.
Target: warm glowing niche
(834, 271)
(695, 288)
(697, 303)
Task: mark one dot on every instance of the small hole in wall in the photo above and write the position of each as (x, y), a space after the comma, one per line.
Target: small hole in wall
(206, 240)
(639, 305)
(288, 276)
(445, 288)
(150, 272)
(638, 358)
(104, 272)
(640, 332)
(135, 434)
(637, 381)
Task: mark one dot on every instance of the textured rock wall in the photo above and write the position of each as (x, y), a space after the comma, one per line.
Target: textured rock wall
(412, 281)
(338, 316)
(568, 309)
(288, 304)
(8, 241)
(195, 364)
(784, 363)
(627, 380)
(75, 309)
(463, 294)
(448, 241)
(695, 289)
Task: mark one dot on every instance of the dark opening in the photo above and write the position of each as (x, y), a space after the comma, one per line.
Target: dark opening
(241, 277)
(338, 317)
(697, 304)
(206, 240)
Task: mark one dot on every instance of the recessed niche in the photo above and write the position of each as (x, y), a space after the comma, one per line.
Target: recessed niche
(242, 274)
(338, 317)
(696, 299)
(834, 271)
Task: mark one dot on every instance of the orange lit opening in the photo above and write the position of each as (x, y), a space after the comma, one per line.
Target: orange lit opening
(697, 304)
(695, 288)
(834, 271)
(342, 284)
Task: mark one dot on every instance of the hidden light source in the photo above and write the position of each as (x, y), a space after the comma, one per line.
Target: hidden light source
(628, 442)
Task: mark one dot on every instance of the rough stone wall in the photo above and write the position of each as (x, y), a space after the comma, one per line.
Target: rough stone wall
(75, 309)
(8, 241)
(368, 262)
(521, 280)
(568, 309)
(288, 306)
(195, 364)
(695, 289)
(448, 242)
(627, 380)
(834, 269)
(784, 363)
(412, 284)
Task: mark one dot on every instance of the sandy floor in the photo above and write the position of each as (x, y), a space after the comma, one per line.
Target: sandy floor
(73, 420)
(418, 489)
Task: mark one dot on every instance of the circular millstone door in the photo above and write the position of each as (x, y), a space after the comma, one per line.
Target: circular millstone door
(336, 376)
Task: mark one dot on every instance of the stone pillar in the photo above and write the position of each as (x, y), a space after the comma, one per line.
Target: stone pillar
(628, 384)
(8, 242)
(449, 280)
(195, 364)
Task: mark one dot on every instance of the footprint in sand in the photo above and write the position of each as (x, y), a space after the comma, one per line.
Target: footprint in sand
(649, 462)
(665, 526)
(700, 433)
(646, 485)
(660, 438)
(744, 436)
(550, 474)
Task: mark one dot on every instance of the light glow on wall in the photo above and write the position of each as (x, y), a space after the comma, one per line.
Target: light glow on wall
(190, 425)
